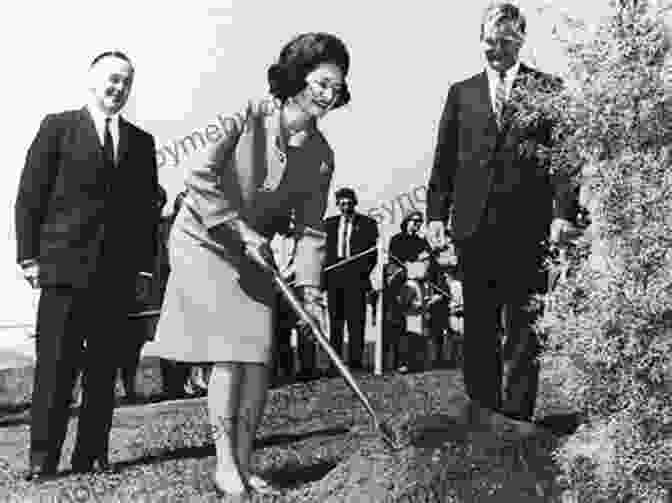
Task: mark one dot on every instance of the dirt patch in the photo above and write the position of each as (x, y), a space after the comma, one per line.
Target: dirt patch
(316, 444)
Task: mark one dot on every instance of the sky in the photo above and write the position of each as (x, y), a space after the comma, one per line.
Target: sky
(197, 60)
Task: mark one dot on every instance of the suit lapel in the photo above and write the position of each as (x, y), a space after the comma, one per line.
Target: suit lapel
(89, 134)
(484, 99)
(481, 107)
(260, 165)
(124, 133)
(276, 155)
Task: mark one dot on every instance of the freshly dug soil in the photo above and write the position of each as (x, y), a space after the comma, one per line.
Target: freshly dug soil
(315, 444)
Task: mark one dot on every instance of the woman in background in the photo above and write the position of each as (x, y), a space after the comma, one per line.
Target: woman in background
(219, 303)
(405, 248)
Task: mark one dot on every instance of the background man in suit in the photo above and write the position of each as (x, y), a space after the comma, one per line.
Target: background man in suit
(501, 203)
(284, 250)
(347, 235)
(85, 228)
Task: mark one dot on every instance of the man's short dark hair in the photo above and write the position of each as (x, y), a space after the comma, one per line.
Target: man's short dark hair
(110, 54)
(500, 11)
(411, 216)
(346, 193)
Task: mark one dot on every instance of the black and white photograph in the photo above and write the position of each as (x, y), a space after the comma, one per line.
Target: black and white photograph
(374, 252)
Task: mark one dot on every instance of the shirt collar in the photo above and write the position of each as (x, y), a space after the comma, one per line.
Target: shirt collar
(99, 117)
(509, 74)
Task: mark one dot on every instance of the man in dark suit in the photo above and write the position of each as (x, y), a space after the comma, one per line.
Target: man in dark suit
(85, 228)
(349, 234)
(500, 202)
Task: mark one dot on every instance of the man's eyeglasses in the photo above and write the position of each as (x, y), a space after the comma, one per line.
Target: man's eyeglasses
(501, 43)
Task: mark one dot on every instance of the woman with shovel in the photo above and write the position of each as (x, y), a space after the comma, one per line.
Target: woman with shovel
(219, 303)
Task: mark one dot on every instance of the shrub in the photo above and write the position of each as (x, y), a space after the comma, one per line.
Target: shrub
(609, 317)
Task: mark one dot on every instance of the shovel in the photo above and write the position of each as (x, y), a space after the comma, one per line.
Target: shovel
(289, 295)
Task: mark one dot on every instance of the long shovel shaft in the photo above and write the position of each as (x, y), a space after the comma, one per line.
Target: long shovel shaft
(316, 330)
(322, 340)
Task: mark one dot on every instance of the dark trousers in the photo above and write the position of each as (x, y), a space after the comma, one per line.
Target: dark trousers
(285, 321)
(76, 329)
(136, 334)
(502, 269)
(395, 350)
(347, 304)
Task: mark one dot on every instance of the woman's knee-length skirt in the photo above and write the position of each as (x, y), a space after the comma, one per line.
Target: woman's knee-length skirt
(215, 309)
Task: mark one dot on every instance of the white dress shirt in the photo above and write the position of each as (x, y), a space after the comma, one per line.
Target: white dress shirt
(344, 233)
(99, 121)
(284, 252)
(493, 79)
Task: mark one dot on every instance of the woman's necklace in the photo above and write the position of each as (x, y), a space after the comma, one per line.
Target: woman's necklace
(294, 136)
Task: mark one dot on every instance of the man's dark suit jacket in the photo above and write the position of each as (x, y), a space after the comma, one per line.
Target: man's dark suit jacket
(364, 235)
(463, 175)
(63, 212)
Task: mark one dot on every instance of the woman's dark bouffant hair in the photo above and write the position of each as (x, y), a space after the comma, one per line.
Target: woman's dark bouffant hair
(287, 77)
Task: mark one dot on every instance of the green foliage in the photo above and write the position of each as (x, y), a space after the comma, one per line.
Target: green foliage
(609, 319)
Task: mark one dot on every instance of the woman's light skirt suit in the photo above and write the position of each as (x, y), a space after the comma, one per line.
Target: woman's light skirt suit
(218, 305)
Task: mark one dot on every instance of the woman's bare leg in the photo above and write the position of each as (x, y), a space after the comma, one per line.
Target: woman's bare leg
(224, 405)
(253, 392)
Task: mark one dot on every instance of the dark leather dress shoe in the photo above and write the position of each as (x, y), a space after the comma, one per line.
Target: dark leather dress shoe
(93, 465)
(561, 424)
(41, 466)
(40, 473)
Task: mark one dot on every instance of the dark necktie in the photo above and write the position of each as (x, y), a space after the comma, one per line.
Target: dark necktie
(344, 252)
(500, 97)
(108, 147)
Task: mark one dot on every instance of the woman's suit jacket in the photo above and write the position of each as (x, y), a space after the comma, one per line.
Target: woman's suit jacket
(244, 176)
(219, 306)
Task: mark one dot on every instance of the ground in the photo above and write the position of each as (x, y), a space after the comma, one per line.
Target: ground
(316, 443)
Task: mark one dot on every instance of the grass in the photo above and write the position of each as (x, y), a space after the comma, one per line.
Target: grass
(315, 444)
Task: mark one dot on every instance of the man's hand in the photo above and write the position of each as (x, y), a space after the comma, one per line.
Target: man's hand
(31, 272)
(143, 285)
(561, 231)
(436, 233)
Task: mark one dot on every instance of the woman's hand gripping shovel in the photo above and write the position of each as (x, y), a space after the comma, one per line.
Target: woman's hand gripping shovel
(384, 429)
